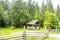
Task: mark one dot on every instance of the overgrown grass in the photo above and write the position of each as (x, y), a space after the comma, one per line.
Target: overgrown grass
(47, 38)
(31, 38)
(50, 38)
(40, 29)
(7, 31)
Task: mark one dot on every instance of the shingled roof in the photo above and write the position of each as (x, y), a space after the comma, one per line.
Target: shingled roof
(33, 22)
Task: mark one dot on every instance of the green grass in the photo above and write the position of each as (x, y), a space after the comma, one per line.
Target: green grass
(7, 31)
(47, 38)
(50, 38)
(41, 29)
(31, 38)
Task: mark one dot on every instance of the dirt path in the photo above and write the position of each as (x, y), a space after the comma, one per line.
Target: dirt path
(55, 35)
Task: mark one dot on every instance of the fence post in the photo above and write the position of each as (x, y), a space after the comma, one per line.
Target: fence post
(24, 34)
(47, 33)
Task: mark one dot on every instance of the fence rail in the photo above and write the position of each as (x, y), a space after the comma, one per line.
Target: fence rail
(23, 35)
(39, 35)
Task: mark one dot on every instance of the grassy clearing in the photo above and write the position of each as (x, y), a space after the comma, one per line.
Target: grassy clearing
(41, 30)
(7, 31)
(47, 38)
(50, 38)
(31, 38)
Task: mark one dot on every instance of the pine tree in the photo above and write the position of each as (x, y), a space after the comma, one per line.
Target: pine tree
(5, 4)
(50, 6)
(58, 12)
(2, 22)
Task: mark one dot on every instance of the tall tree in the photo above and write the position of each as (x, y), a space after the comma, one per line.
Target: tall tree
(31, 8)
(58, 12)
(37, 12)
(50, 6)
(2, 22)
(18, 13)
(5, 4)
(51, 20)
(42, 8)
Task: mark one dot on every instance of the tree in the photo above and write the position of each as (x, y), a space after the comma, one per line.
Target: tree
(42, 12)
(31, 9)
(42, 8)
(16, 12)
(58, 12)
(19, 13)
(50, 6)
(5, 4)
(47, 20)
(51, 20)
(37, 12)
(2, 22)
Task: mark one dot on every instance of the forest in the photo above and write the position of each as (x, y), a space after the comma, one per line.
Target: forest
(17, 13)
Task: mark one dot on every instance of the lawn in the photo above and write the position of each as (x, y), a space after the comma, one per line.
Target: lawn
(47, 38)
(7, 31)
(50, 38)
(40, 29)
(31, 38)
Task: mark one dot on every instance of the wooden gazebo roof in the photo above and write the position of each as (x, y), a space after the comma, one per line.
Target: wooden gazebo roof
(33, 22)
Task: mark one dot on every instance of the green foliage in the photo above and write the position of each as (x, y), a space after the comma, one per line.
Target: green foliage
(47, 21)
(50, 6)
(51, 20)
(8, 31)
(18, 13)
(58, 12)
(50, 38)
(5, 4)
(2, 21)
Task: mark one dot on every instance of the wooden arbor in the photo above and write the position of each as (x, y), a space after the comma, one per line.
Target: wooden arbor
(34, 24)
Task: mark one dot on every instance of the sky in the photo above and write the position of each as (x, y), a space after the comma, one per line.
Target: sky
(54, 2)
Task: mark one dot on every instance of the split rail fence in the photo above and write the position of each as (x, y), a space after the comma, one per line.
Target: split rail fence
(24, 35)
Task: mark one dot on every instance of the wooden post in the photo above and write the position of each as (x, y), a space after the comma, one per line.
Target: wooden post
(47, 33)
(56, 29)
(33, 27)
(24, 34)
(24, 28)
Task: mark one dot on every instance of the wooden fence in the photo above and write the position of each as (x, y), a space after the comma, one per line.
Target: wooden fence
(39, 35)
(25, 34)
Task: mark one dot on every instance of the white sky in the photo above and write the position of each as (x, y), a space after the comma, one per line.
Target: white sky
(54, 2)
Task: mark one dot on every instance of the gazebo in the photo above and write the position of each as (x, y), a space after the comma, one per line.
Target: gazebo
(34, 24)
